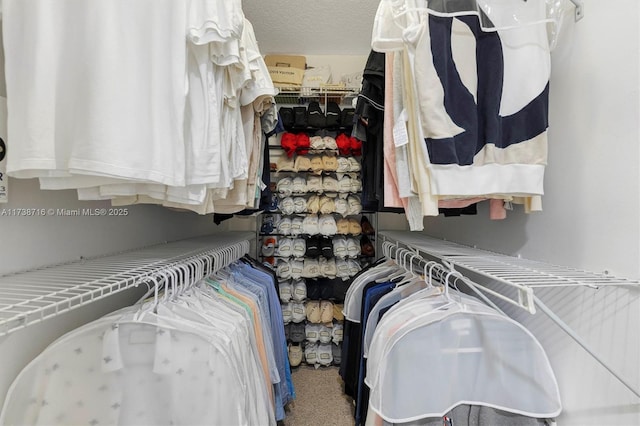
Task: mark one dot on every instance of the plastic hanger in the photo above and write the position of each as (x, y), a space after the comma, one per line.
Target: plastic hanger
(408, 265)
(418, 282)
(210, 278)
(190, 269)
(150, 306)
(201, 270)
(399, 261)
(170, 278)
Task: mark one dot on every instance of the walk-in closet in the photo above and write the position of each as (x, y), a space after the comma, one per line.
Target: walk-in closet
(225, 212)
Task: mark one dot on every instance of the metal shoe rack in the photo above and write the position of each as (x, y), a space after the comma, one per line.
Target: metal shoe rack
(302, 97)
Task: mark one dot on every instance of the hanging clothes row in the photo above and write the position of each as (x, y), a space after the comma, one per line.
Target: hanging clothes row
(135, 107)
(416, 351)
(456, 96)
(196, 351)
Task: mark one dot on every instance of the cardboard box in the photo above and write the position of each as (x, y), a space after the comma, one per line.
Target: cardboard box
(286, 61)
(286, 70)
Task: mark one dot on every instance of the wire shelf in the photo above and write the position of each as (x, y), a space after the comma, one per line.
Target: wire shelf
(302, 95)
(523, 274)
(33, 296)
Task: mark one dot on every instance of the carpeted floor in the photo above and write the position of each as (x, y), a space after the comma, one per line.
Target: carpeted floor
(320, 399)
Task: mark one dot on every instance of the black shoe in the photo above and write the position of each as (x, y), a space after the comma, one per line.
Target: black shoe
(286, 117)
(326, 247)
(313, 247)
(346, 120)
(334, 115)
(299, 117)
(315, 116)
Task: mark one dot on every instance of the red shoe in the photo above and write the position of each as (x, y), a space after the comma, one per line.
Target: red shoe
(302, 143)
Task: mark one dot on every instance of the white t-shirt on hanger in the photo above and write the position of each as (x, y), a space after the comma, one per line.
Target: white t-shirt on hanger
(76, 105)
(113, 120)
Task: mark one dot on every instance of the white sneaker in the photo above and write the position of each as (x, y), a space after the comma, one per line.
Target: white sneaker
(311, 354)
(299, 292)
(285, 291)
(295, 355)
(324, 354)
(287, 312)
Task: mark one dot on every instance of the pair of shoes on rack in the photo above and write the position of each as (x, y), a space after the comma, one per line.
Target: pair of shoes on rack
(287, 269)
(366, 246)
(295, 143)
(291, 247)
(319, 311)
(291, 205)
(348, 227)
(321, 143)
(323, 288)
(317, 246)
(293, 227)
(318, 353)
(295, 332)
(269, 246)
(316, 118)
(269, 223)
(348, 145)
(344, 247)
(347, 268)
(367, 228)
(293, 312)
(313, 116)
(296, 291)
(299, 163)
(318, 333)
(348, 164)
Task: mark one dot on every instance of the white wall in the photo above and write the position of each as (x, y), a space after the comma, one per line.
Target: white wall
(36, 241)
(591, 213)
(340, 64)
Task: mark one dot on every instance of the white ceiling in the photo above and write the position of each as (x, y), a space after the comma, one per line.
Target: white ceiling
(312, 27)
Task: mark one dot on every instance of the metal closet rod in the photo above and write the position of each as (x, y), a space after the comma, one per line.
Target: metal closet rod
(432, 267)
(36, 295)
(559, 322)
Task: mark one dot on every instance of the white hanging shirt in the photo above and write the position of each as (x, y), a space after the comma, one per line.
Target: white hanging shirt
(483, 95)
(439, 357)
(99, 89)
(97, 375)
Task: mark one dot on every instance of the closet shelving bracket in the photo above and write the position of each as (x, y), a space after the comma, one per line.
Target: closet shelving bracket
(33, 296)
(523, 275)
(579, 12)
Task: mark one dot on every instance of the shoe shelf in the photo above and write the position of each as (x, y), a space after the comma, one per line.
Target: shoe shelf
(303, 214)
(302, 194)
(365, 212)
(297, 99)
(275, 234)
(304, 95)
(312, 173)
(360, 256)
